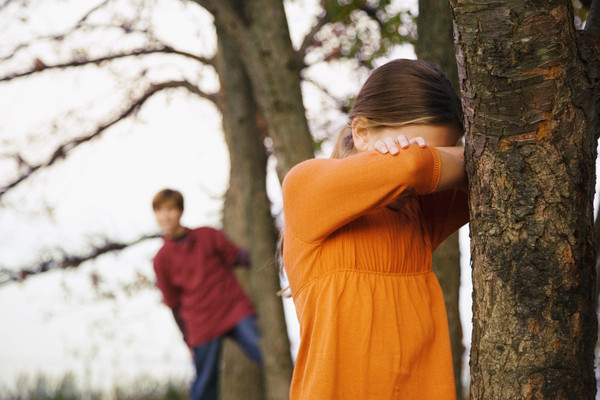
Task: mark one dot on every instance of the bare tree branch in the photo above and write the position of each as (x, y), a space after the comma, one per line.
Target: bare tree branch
(78, 27)
(90, 12)
(40, 66)
(68, 261)
(62, 151)
(341, 103)
(5, 3)
(309, 39)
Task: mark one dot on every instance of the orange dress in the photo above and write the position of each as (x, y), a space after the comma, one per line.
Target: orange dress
(372, 318)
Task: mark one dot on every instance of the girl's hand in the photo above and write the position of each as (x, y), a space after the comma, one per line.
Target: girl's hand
(393, 146)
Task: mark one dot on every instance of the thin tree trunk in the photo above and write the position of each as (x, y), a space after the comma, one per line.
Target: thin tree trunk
(253, 218)
(446, 266)
(530, 92)
(435, 43)
(259, 29)
(240, 377)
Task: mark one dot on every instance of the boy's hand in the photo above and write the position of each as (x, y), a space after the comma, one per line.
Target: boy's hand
(393, 146)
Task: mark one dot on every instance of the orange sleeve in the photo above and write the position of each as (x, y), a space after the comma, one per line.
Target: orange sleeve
(444, 213)
(322, 195)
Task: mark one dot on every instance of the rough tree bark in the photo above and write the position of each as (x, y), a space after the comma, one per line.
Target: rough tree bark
(435, 43)
(530, 87)
(248, 217)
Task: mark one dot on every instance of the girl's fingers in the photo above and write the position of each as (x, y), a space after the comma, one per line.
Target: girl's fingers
(381, 147)
(403, 141)
(419, 141)
(391, 145)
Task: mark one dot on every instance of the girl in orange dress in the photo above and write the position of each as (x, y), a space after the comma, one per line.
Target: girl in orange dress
(359, 231)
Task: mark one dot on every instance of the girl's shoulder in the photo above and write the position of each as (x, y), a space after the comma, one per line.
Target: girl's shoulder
(306, 170)
(310, 164)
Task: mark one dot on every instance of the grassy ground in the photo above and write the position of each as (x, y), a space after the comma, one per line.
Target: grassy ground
(66, 388)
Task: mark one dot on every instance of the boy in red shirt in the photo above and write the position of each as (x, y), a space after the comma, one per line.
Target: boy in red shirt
(194, 273)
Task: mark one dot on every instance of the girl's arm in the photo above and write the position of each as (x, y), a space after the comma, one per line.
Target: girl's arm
(445, 210)
(322, 195)
(452, 159)
(453, 174)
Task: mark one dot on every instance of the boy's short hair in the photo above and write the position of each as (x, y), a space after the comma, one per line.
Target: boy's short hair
(166, 195)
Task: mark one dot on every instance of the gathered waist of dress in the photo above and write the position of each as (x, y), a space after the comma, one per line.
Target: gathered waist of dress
(363, 272)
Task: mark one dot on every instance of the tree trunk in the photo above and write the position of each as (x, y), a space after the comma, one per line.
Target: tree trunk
(240, 377)
(530, 93)
(435, 44)
(254, 220)
(435, 41)
(259, 29)
(446, 266)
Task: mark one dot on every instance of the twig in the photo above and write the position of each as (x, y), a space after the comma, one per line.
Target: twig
(67, 260)
(63, 150)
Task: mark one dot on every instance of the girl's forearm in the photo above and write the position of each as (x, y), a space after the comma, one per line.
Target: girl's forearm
(453, 173)
(456, 151)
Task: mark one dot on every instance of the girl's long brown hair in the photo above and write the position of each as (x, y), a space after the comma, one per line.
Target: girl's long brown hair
(402, 92)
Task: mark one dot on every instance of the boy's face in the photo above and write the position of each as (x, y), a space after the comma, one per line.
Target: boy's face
(168, 216)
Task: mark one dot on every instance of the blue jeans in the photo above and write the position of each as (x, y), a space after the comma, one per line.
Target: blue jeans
(207, 356)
